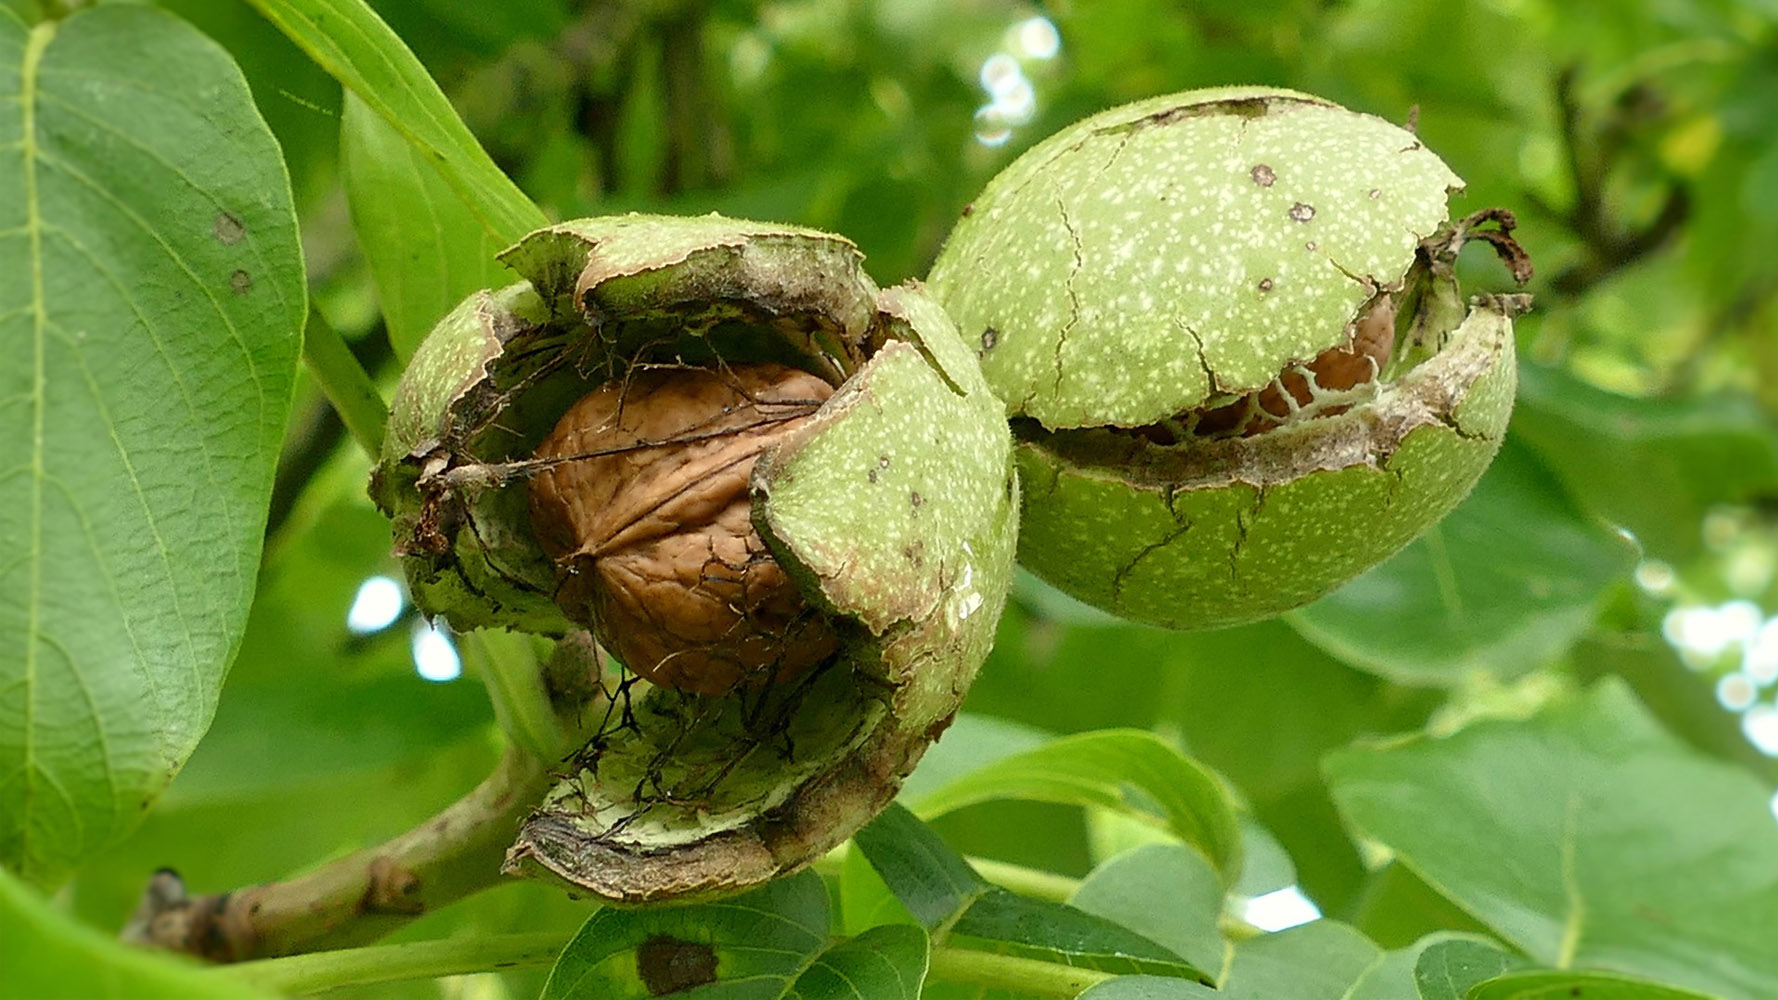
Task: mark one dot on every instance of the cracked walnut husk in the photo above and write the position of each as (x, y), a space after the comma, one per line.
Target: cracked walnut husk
(1227, 333)
(782, 497)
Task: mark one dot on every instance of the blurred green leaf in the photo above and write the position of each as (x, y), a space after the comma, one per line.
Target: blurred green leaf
(153, 312)
(1503, 585)
(424, 245)
(1231, 690)
(1397, 908)
(1392, 976)
(45, 954)
(1566, 985)
(1322, 960)
(1655, 466)
(772, 942)
(1584, 836)
(1130, 771)
(1165, 893)
(349, 41)
(1446, 970)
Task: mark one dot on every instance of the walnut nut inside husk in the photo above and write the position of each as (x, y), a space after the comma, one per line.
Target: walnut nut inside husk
(643, 504)
(721, 447)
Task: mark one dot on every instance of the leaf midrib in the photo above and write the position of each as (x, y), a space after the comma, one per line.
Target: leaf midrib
(38, 40)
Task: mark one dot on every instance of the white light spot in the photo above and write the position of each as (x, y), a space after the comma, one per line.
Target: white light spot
(1740, 620)
(1761, 659)
(435, 655)
(1037, 38)
(1760, 725)
(1018, 102)
(1698, 632)
(1655, 577)
(991, 127)
(376, 607)
(1736, 692)
(1276, 911)
(1775, 805)
(1000, 72)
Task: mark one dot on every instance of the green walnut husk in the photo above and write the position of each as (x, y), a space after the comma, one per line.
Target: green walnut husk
(1152, 263)
(893, 509)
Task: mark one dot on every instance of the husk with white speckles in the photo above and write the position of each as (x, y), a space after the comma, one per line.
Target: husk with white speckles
(1158, 256)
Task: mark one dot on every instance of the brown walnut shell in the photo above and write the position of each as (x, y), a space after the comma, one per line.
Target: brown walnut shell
(644, 507)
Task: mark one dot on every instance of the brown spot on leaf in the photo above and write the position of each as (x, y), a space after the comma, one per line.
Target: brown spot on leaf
(229, 228)
(241, 282)
(1301, 212)
(669, 965)
(915, 499)
(1265, 284)
(990, 337)
(1263, 175)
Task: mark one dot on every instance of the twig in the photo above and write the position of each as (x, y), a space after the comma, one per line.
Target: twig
(365, 895)
(1609, 246)
(359, 897)
(343, 380)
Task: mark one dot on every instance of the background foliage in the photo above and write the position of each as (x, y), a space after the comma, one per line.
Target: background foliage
(1541, 738)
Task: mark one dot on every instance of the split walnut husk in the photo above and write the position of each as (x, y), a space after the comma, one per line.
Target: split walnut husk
(782, 497)
(1229, 338)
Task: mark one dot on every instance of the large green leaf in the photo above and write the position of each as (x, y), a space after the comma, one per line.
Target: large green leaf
(1585, 837)
(1656, 466)
(348, 40)
(1121, 769)
(772, 942)
(151, 308)
(45, 954)
(425, 247)
(1507, 582)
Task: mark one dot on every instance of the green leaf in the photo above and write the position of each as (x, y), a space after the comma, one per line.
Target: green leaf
(1588, 985)
(948, 897)
(152, 307)
(1656, 466)
(772, 942)
(46, 954)
(1446, 970)
(424, 245)
(1316, 960)
(1127, 770)
(346, 38)
(883, 963)
(1149, 988)
(1503, 585)
(1164, 892)
(930, 879)
(1392, 978)
(1055, 932)
(1586, 836)
(1322, 960)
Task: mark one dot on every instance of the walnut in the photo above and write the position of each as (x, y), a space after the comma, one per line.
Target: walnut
(643, 504)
